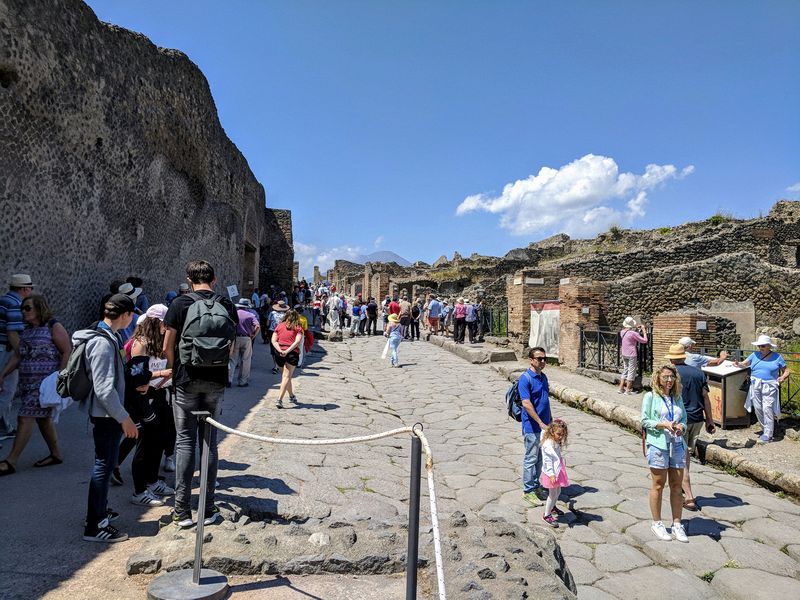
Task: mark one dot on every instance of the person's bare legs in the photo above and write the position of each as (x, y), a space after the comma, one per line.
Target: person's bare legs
(659, 477)
(675, 497)
(48, 431)
(289, 388)
(286, 381)
(24, 431)
(686, 483)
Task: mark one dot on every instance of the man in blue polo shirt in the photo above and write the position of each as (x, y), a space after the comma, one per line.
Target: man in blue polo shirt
(534, 392)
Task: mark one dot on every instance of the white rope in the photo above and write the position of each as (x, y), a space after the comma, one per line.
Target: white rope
(416, 430)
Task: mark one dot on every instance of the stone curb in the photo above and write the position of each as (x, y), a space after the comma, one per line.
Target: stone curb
(476, 356)
(629, 418)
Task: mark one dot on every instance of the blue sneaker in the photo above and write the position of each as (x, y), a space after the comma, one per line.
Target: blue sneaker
(764, 439)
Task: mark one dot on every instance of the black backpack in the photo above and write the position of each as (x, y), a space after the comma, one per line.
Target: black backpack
(208, 333)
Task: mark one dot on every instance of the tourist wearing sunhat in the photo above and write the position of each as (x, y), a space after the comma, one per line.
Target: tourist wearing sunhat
(767, 372)
(20, 286)
(279, 310)
(395, 334)
(694, 393)
(631, 336)
(699, 360)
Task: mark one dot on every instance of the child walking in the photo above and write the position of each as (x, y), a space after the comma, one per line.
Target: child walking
(554, 469)
(395, 335)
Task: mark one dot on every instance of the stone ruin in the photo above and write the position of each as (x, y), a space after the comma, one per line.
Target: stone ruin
(113, 163)
(705, 266)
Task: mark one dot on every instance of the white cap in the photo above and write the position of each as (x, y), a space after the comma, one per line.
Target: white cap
(686, 341)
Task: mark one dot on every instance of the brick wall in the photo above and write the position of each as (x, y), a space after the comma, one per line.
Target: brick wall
(522, 287)
(669, 327)
(583, 303)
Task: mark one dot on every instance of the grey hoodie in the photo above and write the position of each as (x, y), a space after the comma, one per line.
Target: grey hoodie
(107, 372)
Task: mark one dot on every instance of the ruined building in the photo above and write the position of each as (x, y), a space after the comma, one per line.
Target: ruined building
(113, 162)
(742, 274)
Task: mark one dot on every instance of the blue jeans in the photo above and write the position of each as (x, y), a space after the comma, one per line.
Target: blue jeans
(107, 434)
(195, 395)
(531, 463)
(394, 342)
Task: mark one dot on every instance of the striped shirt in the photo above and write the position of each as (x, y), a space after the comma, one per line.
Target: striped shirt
(10, 315)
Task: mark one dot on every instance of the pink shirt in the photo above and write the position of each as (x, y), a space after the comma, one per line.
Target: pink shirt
(629, 339)
(460, 311)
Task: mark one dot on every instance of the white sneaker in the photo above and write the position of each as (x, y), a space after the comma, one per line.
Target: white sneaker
(169, 464)
(146, 498)
(661, 532)
(159, 488)
(679, 532)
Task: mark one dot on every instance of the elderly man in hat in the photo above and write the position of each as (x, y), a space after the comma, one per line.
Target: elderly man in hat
(694, 391)
(246, 332)
(699, 360)
(20, 286)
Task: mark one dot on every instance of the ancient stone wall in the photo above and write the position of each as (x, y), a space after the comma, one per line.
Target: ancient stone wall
(737, 277)
(277, 265)
(523, 287)
(113, 163)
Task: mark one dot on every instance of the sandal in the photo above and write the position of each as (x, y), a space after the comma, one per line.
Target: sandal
(47, 461)
(8, 470)
(690, 505)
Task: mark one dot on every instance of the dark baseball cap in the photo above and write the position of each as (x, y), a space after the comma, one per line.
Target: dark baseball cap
(121, 303)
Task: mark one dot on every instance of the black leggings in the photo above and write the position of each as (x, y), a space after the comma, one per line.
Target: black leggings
(414, 329)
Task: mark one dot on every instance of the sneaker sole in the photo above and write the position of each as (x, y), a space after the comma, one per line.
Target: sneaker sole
(182, 525)
(91, 538)
(148, 504)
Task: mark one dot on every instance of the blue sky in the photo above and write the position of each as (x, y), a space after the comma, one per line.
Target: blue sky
(425, 127)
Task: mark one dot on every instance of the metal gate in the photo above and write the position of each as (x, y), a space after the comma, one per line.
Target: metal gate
(600, 350)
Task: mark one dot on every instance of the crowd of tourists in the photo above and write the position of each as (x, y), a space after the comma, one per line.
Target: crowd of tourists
(673, 416)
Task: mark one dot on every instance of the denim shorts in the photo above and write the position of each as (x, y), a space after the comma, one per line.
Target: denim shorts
(661, 459)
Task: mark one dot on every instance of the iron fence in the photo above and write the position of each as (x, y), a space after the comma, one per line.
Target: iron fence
(600, 350)
(496, 321)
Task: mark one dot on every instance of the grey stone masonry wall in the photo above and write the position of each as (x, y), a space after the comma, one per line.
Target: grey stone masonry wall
(277, 263)
(113, 162)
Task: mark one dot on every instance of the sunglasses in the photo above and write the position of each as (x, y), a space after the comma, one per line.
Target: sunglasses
(668, 377)
(27, 308)
(539, 358)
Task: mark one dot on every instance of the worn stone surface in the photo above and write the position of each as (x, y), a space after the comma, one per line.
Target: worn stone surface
(750, 584)
(485, 523)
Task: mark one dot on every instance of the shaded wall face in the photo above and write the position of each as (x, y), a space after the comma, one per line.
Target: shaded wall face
(112, 161)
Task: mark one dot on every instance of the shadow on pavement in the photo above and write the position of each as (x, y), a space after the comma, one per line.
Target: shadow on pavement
(278, 582)
(276, 486)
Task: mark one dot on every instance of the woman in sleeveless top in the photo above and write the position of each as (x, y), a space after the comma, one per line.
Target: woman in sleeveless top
(44, 347)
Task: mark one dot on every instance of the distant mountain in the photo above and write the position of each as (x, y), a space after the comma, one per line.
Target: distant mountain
(383, 256)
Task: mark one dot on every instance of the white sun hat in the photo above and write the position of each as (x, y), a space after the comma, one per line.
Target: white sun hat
(764, 340)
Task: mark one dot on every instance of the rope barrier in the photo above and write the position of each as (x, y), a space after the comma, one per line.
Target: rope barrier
(416, 430)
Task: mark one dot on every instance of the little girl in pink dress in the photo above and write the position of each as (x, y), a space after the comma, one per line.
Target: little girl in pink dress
(554, 469)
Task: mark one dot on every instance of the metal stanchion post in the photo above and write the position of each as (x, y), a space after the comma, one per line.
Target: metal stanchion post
(199, 583)
(413, 519)
(201, 502)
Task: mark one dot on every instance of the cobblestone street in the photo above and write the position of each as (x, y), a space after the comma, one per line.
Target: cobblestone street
(743, 543)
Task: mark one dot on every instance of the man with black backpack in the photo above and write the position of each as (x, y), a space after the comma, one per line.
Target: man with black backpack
(198, 343)
(534, 393)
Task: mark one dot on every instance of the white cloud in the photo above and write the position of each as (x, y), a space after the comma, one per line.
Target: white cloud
(794, 188)
(309, 255)
(378, 241)
(582, 198)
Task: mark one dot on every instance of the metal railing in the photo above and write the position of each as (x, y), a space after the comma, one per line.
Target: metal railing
(496, 322)
(600, 349)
